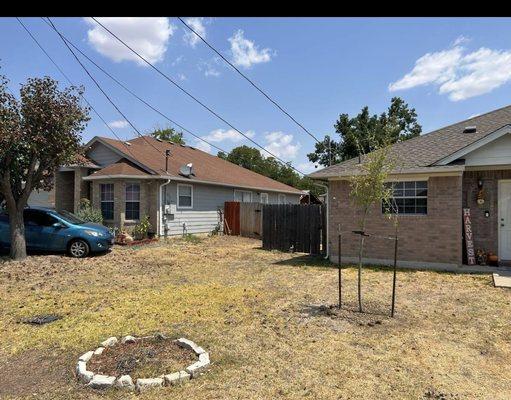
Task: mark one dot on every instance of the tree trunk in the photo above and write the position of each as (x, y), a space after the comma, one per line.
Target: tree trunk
(18, 244)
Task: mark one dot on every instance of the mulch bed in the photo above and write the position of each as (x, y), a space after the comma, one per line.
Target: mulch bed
(145, 358)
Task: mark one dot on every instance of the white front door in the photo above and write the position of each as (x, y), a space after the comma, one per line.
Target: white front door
(504, 220)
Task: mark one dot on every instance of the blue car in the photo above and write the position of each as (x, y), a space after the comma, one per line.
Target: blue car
(51, 231)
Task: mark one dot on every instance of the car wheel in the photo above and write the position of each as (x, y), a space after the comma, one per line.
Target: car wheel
(79, 248)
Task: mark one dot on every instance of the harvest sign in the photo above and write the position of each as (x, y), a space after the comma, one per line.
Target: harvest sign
(469, 237)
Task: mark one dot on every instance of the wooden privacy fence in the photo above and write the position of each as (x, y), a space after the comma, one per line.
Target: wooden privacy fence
(296, 227)
(243, 219)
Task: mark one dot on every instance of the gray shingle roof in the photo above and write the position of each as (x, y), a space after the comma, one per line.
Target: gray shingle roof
(425, 150)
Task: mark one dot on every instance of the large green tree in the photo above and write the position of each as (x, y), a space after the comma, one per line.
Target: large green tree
(365, 132)
(168, 134)
(39, 132)
(252, 159)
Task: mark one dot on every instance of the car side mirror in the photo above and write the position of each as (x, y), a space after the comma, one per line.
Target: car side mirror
(58, 225)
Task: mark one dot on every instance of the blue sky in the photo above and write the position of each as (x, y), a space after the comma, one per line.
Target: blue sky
(317, 68)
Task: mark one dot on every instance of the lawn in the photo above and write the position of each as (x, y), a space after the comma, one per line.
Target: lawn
(261, 316)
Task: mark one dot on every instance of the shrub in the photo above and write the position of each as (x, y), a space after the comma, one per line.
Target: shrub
(142, 228)
(89, 214)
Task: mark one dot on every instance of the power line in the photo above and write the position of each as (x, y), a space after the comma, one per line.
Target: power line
(193, 97)
(101, 89)
(71, 83)
(251, 82)
(122, 85)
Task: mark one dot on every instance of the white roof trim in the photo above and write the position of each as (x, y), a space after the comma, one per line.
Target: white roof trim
(187, 180)
(474, 146)
(448, 170)
(122, 153)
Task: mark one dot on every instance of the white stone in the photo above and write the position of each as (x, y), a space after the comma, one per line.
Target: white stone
(144, 384)
(87, 356)
(188, 344)
(82, 373)
(109, 342)
(177, 377)
(196, 368)
(125, 382)
(102, 382)
(128, 339)
(99, 351)
(204, 358)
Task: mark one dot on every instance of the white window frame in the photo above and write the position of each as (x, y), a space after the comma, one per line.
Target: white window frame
(133, 201)
(243, 191)
(282, 195)
(180, 185)
(261, 198)
(406, 197)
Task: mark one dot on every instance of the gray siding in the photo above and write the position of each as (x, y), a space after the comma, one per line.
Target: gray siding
(102, 155)
(207, 201)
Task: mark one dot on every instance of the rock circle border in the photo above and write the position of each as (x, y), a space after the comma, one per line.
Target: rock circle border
(98, 381)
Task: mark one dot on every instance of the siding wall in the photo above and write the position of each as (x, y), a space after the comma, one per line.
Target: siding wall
(207, 201)
(102, 155)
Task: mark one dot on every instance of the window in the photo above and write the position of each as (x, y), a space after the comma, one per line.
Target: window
(132, 201)
(184, 196)
(408, 198)
(242, 196)
(38, 218)
(263, 198)
(107, 200)
(282, 198)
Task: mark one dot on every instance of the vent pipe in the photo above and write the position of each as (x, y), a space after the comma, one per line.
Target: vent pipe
(167, 155)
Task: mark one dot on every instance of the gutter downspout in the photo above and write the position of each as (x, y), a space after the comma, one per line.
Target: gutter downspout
(160, 214)
(327, 255)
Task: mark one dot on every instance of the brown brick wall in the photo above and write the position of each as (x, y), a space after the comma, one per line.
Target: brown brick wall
(148, 201)
(432, 238)
(64, 190)
(485, 228)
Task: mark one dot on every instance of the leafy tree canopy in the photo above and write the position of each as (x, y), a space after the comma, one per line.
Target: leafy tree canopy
(168, 134)
(252, 159)
(365, 132)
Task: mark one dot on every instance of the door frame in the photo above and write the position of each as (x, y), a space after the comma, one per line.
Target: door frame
(500, 181)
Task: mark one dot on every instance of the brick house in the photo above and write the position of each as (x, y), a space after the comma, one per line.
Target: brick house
(464, 165)
(180, 188)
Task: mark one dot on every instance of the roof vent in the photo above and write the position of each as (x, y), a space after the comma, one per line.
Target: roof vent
(186, 170)
(127, 143)
(470, 129)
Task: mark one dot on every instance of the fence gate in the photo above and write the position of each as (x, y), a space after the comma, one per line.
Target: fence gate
(296, 227)
(251, 220)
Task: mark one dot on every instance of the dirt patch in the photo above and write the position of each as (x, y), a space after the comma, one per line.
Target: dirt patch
(34, 373)
(145, 358)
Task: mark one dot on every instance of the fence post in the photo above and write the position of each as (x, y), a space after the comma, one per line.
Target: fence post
(340, 274)
(394, 279)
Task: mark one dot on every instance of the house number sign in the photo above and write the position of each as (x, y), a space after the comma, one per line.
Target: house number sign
(469, 237)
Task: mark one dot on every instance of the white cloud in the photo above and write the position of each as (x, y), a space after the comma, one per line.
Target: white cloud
(119, 124)
(461, 40)
(246, 53)
(199, 144)
(459, 74)
(197, 24)
(148, 36)
(208, 67)
(178, 60)
(282, 145)
(221, 135)
(181, 77)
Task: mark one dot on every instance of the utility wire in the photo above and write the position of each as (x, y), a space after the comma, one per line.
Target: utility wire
(122, 85)
(193, 97)
(71, 83)
(250, 81)
(101, 89)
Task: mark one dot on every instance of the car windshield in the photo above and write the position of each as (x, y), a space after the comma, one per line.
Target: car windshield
(70, 217)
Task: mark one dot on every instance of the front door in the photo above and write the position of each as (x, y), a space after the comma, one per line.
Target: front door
(505, 220)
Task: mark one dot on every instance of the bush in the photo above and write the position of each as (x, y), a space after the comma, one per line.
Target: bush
(89, 214)
(142, 228)
(191, 238)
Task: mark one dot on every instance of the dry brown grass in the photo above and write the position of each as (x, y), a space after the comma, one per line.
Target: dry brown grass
(259, 315)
